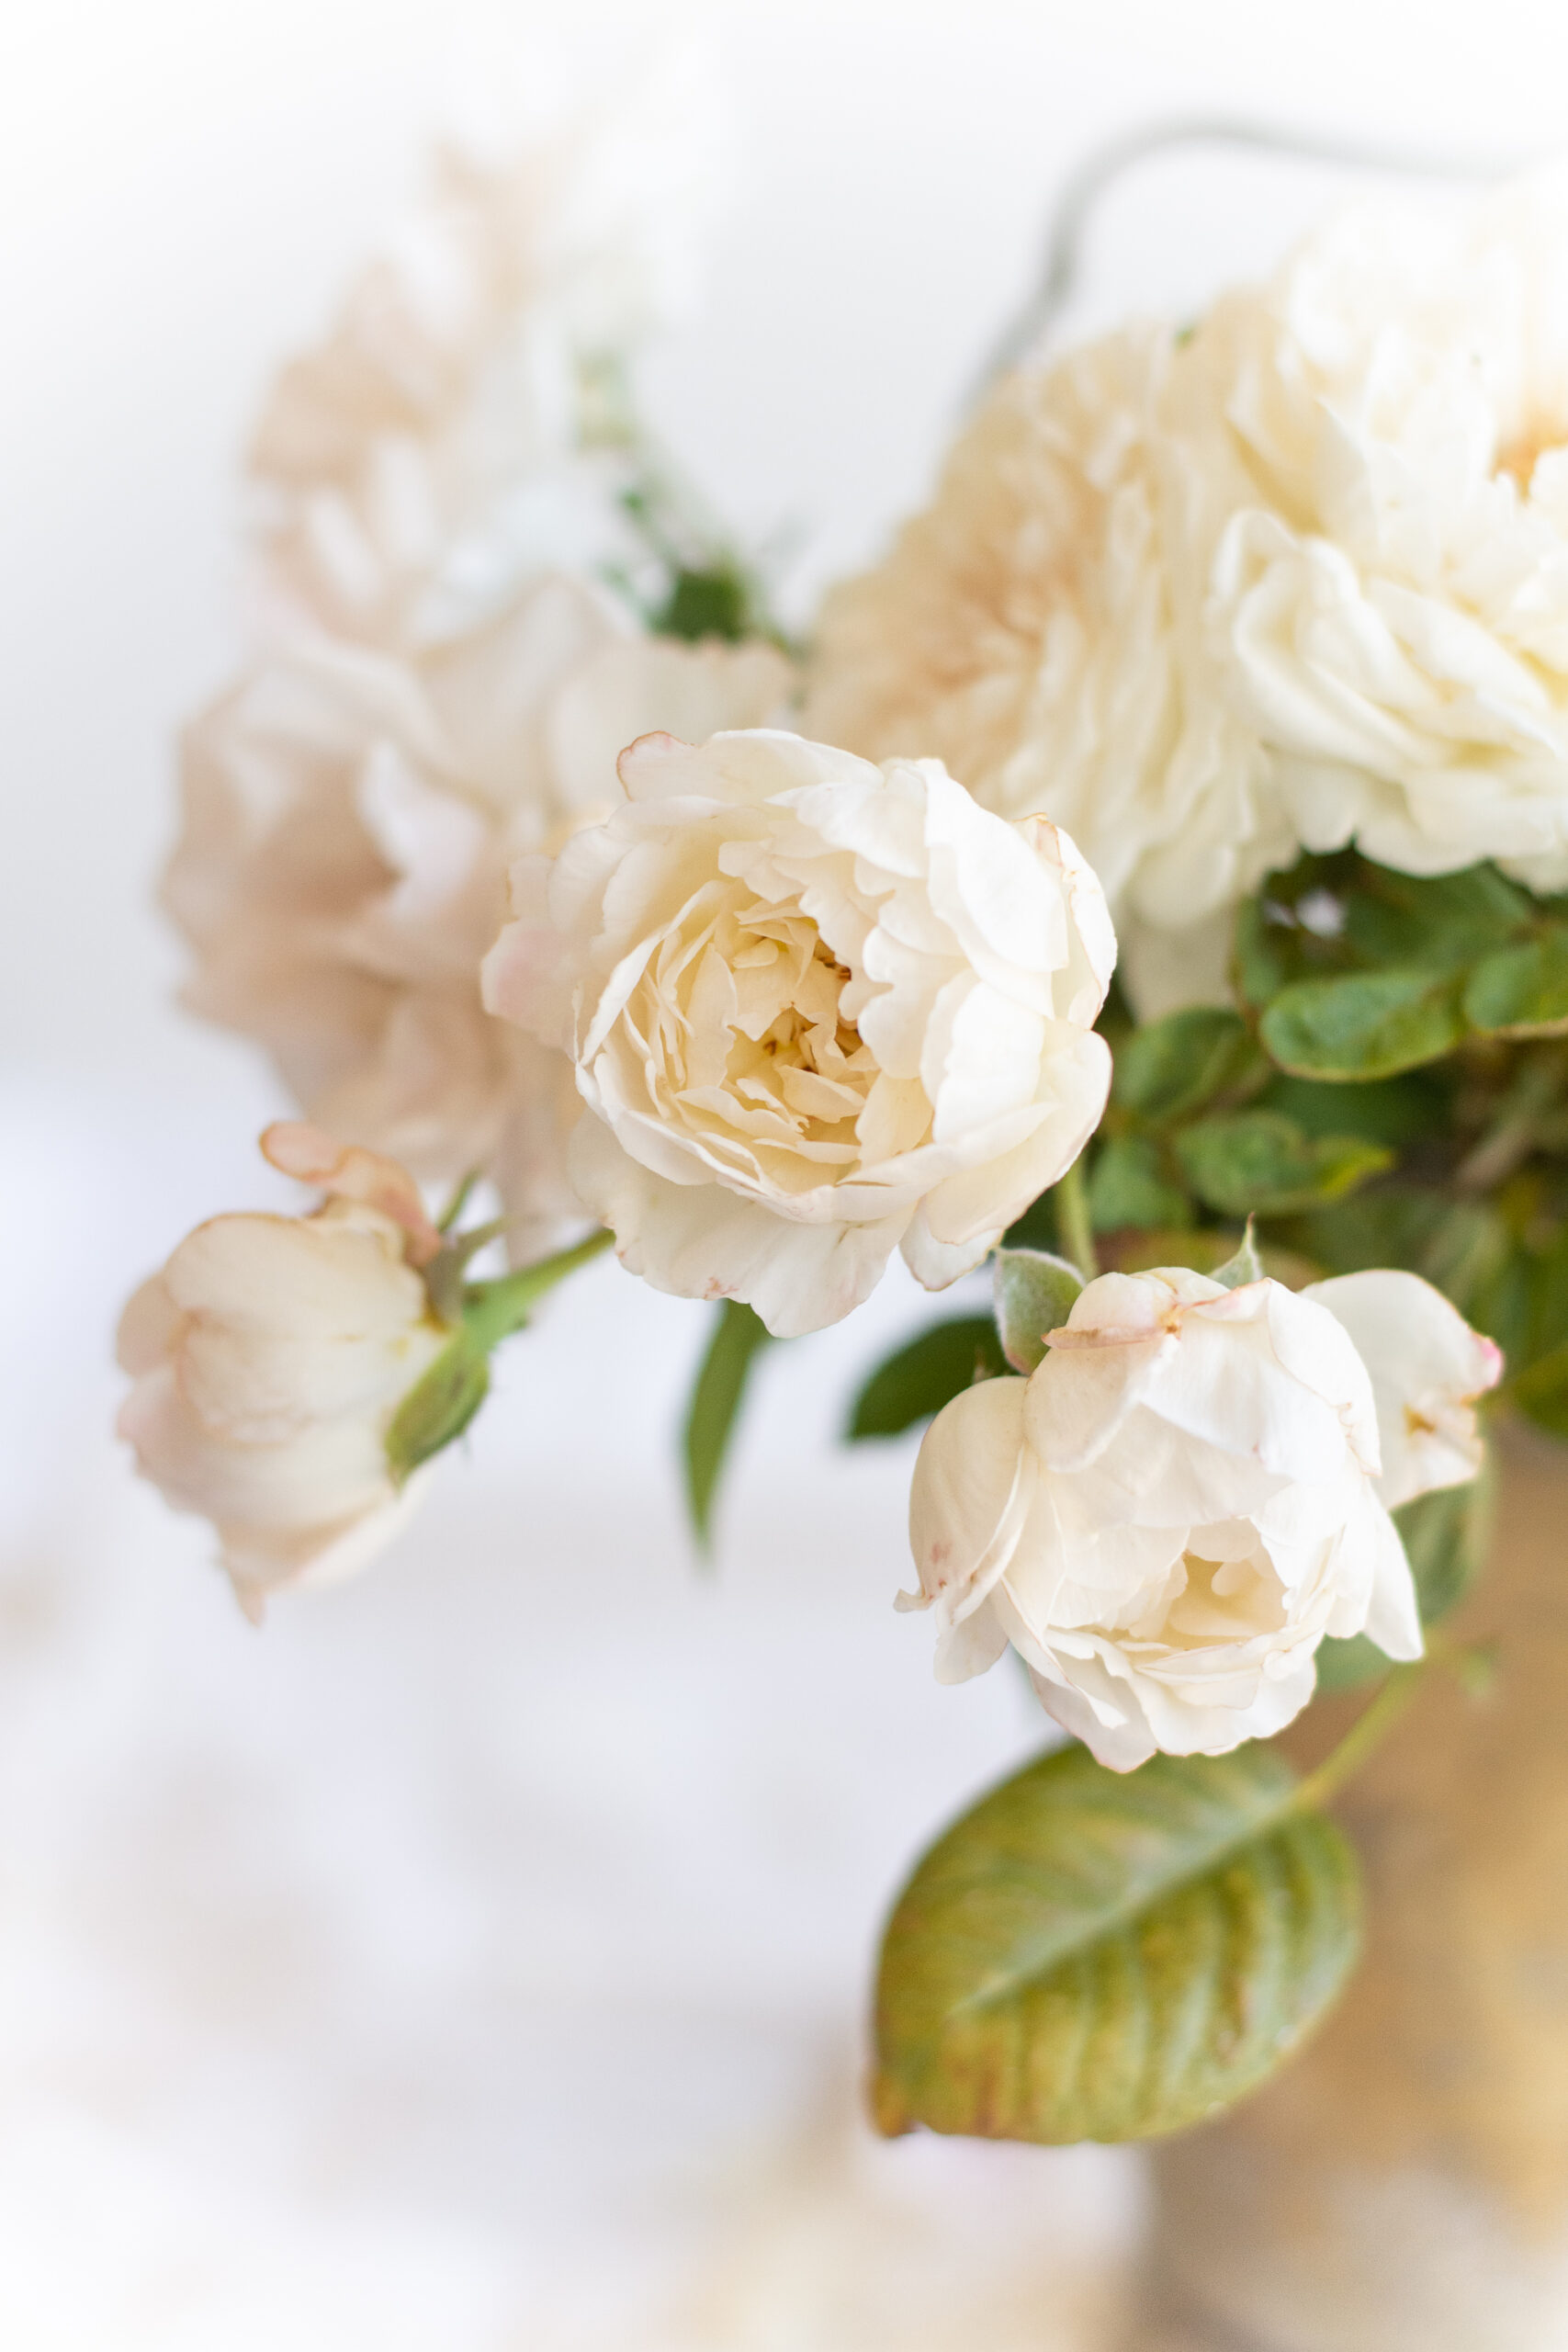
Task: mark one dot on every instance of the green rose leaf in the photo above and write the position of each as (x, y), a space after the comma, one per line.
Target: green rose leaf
(1034, 1295)
(1128, 1186)
(1260, 1162)
(1243, 1266)
(439, 1406)
(714, 1413)
(1174, 1064)
(920, 1378)
(1437, 921)
(1364, 1024)
(1399, 1112)
(1446, 1538)
(1090, 1955)
(1523, 991)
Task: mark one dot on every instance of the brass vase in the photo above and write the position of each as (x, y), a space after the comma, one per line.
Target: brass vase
(1403, 2185)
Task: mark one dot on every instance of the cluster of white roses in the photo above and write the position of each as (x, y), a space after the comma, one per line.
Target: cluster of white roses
(770, 1009)
(1297, 576)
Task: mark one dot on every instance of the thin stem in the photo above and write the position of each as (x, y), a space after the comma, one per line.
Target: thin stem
(1366, 1733)
(1076, 1232)
(491, 1311)
(1081, 191)
(458, 1202)
(1514, 1132)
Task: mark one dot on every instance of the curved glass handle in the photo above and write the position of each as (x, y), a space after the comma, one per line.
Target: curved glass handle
(1069, 217)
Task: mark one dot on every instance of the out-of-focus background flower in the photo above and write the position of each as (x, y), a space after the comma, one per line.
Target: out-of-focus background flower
(478, 1959)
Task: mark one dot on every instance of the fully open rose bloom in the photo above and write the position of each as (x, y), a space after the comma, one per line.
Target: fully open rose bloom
(1299, 577)
(268, 1358)
(818, 1010)
(1193, 1488)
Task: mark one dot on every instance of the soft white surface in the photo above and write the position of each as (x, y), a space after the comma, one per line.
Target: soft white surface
(475, 1958)
(475, 1962)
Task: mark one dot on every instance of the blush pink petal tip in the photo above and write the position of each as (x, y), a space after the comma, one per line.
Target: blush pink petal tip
(346, 1172)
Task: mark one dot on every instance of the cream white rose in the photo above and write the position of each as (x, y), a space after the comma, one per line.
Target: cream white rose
(1193, 1489)
(349, 818)
(1037, 629)
(818, 1010)
(268, 1358)
(1298, 578)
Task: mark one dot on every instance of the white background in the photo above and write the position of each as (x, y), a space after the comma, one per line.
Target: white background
(475, 1962)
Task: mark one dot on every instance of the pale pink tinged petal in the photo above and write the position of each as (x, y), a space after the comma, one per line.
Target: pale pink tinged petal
(1091, 958)
(992, 1194)
(1223, 1384)
(990, 1064)
(936, 1264)
(702, 1241)
(149, 1326)
(525, 978)
(1393, 1619)
(1151, 1472)
(742, 766)
(1327, 1361)
(649, 685)
(1005, 907)
(494, 687)
(259, 1565)
(1114, 1730)
(351, 1173)
(973, 1484)
(1079, 1400)
(339, 1271)
(970, 1647)
(336, 1468)
(1426, 1367)
(1185, 1726)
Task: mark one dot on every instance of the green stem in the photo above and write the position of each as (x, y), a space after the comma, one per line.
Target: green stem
(1366, 1733)
(1073, 1225)
(493, 1310)
(458, 1202)
(1514, 1134)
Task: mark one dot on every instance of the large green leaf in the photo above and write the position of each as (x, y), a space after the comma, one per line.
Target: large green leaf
(1398, 1112)
(1173, 1065)
(1523, 991)
(714, 1412)
(1364, 1024)
(919, 1379)
(1259, 1163)
(1438, 921)
(1090, 1955)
